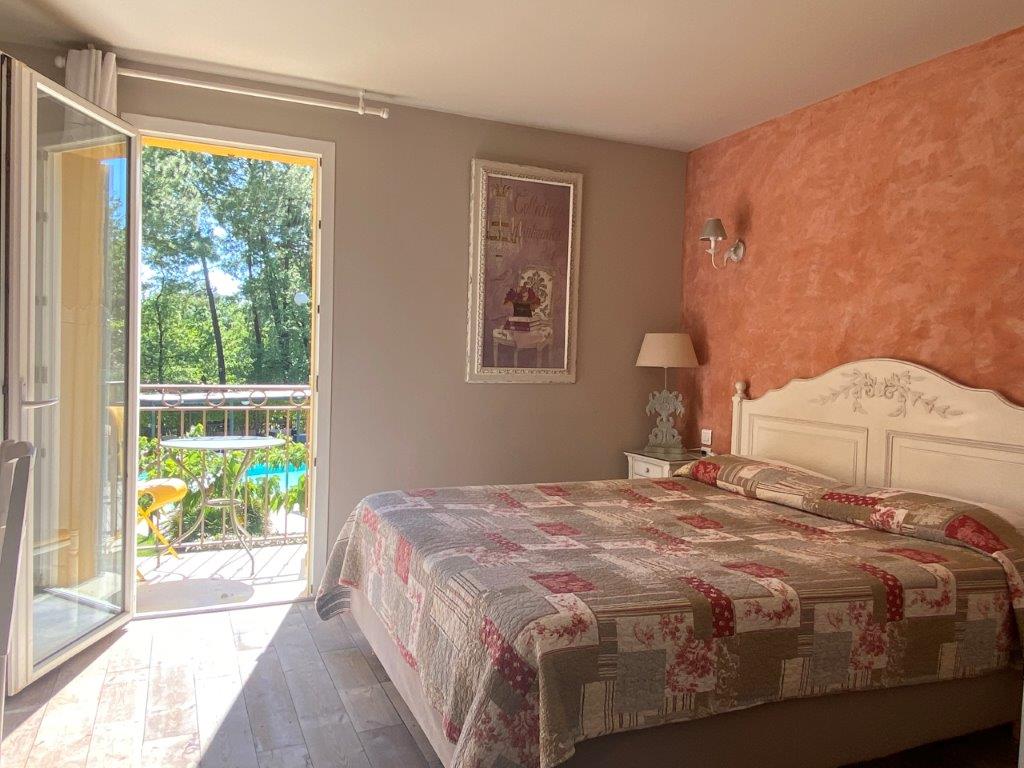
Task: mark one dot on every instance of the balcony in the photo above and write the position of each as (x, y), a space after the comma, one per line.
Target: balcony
(266, 488)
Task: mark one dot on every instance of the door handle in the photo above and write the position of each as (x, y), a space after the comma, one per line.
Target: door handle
(31, 405)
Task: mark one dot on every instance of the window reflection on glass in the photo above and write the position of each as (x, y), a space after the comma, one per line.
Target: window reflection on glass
(79, 353)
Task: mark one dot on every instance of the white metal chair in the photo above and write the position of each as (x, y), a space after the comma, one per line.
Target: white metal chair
(15, 464)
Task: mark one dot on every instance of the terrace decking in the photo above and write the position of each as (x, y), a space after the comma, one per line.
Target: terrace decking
(220, 577)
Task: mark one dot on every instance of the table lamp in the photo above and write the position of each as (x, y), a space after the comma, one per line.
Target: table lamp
(666, 350)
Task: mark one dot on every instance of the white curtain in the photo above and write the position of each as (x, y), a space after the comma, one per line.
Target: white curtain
(92, 74)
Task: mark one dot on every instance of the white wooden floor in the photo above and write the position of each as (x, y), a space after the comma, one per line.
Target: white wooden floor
(222, 578)
(269, 687)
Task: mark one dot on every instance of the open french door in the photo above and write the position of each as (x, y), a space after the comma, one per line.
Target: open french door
(70, 370)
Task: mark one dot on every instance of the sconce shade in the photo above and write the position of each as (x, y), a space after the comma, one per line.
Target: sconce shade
(713, 230)
(667, 350)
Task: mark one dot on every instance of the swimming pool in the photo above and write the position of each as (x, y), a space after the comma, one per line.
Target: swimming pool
(257, 472)
(286, 480)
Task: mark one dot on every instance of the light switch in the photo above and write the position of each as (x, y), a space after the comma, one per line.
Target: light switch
(705, 437)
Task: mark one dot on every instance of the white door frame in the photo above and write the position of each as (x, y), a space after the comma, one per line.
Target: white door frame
(26, 83)
(322, 294)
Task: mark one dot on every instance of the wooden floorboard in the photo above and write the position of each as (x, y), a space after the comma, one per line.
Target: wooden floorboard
(267, 687)
(272, 715)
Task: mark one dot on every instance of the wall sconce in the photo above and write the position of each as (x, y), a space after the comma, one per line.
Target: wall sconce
(714, 233)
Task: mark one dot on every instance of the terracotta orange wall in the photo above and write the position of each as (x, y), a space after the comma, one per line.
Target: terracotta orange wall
(887, 221)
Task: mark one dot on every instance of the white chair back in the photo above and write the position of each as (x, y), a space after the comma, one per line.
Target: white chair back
(543, 282)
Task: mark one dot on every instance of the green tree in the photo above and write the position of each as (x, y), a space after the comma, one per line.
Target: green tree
(213, 217)
(268, 218)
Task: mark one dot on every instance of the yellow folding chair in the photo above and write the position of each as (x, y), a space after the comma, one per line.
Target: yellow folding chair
(162, 491)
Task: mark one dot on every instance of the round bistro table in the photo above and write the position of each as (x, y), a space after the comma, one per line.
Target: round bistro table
(225, 446)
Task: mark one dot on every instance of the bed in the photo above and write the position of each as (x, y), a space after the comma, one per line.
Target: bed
(694, 621)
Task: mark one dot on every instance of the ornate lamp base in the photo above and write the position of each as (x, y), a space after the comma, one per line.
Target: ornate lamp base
(664, 440)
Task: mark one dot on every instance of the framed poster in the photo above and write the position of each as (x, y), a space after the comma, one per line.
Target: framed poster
(523, 274)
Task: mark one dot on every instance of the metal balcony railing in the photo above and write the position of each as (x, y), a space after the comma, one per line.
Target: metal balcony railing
(273, 495)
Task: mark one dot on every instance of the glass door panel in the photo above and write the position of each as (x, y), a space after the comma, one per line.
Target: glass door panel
(74, 390)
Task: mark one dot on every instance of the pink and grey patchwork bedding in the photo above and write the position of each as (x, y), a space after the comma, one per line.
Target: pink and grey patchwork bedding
(540, 615)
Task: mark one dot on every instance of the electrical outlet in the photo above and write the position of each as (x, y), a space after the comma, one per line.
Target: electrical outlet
(705, 437)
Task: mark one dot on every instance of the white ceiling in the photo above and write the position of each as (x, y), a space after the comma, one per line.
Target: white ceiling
(671, 73)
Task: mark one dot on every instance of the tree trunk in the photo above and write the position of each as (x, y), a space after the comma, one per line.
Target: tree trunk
(289, 305)
(282, 330)
(271, 284)
(257, 326)
(218, 342)
(160, 335)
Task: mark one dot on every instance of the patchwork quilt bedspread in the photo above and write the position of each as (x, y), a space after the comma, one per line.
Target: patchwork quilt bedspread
(540, 615)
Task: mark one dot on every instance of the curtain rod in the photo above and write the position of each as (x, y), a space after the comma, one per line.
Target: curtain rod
(258, 93)
(344, 106)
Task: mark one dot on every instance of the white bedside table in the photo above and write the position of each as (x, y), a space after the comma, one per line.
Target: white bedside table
(641, 466)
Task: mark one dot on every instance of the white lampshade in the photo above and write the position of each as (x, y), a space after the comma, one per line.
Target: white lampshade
(667, 350)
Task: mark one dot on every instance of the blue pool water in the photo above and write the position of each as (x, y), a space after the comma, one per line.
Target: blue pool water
(259, 471)
(286, 480)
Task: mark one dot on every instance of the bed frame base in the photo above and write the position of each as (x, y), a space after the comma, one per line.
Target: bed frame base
(820, 732)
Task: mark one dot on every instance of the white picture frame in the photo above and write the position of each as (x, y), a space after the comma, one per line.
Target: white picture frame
(524, 235)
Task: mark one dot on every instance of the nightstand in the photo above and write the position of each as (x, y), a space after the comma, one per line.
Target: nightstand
(641, 466)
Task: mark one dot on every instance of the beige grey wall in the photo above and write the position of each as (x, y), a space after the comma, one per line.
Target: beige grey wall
(403, 416)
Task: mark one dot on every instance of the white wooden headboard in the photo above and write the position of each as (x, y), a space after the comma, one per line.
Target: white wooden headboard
(890, 423)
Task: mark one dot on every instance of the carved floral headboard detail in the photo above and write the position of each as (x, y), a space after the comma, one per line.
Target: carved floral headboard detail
(885, 422)
(896, 387)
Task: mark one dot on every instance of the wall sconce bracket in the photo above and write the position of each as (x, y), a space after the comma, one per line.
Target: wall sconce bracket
(736, 251)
